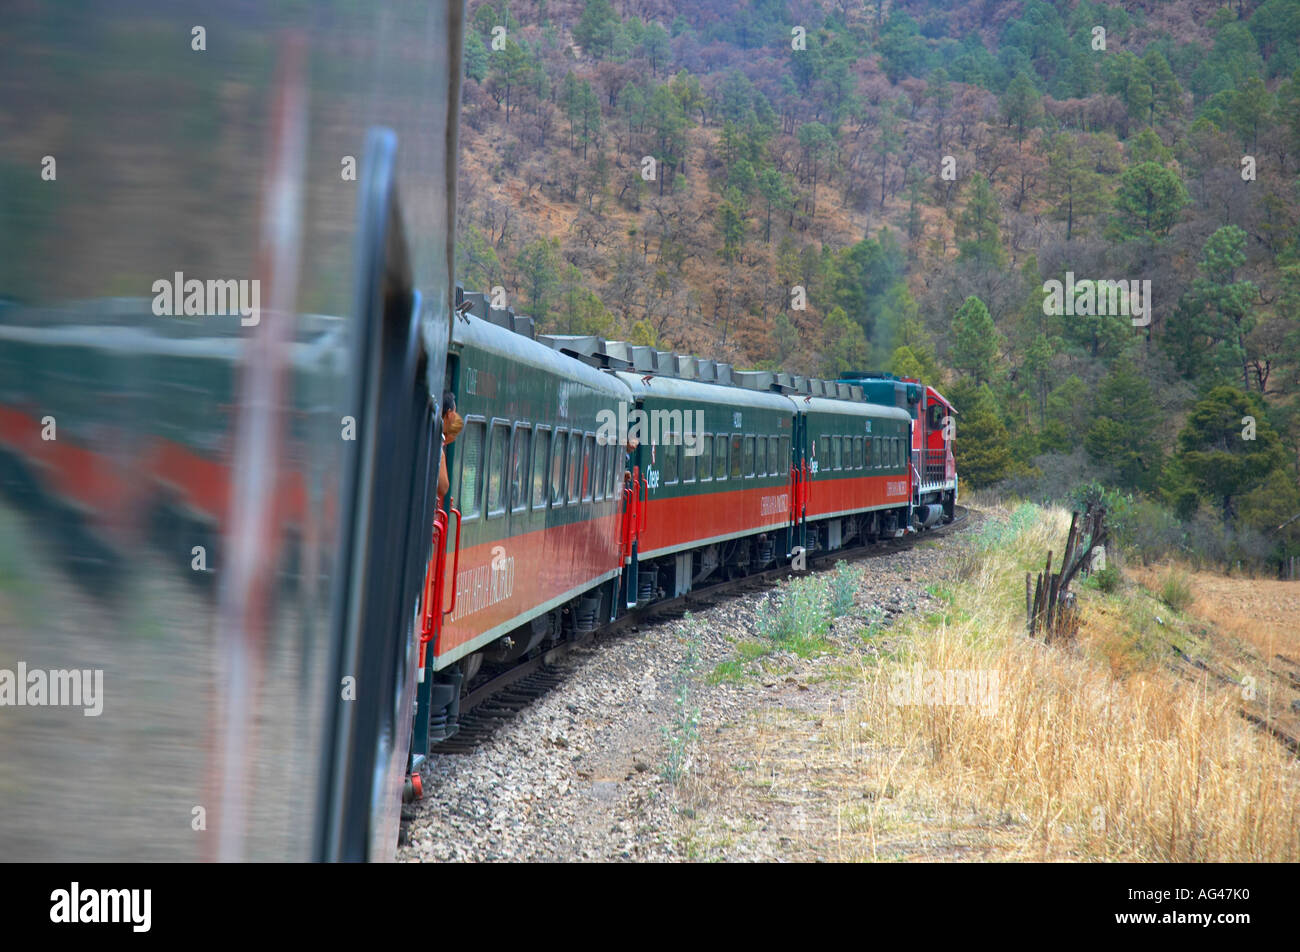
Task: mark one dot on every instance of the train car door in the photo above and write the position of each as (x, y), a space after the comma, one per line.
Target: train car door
(634, 501)
(800, 474)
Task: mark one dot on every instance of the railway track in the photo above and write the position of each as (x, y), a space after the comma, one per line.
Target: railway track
(496, 697)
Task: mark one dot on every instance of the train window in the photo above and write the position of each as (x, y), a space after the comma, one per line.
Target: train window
(471, 496)
(737, 455)
(496, 473)
(866, 452)
(598, 471)
(824, 454)
(783, 456)
(668, 456)
(575, 463)
(749, 456)
(894, 441)
(688, 460)
(541, 457)
(588, 452)
(613, 471)
(838, 449)
(557, 468)
(880, 460)
(706, 457)
(720, 456)
(857, 452)
(519, 467)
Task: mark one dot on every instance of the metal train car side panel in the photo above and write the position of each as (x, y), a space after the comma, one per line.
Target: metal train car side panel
(728, 477)
(539, 497)
(859, 457)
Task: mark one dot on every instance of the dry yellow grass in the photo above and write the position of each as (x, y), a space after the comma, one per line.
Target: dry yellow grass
(1072, 761)
(1262, 612)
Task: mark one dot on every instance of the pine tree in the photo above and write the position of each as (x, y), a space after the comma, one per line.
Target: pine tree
(1073, 186)
(1215, 449)
(843, 345)
(979, 239)
(982, 447)
(1022, 107)
(1148, 202)
(1121, 434)
(974, 341)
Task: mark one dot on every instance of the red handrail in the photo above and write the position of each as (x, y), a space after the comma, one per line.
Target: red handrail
(625, 533)
(794, 494)
(432, 584)
(455, 568)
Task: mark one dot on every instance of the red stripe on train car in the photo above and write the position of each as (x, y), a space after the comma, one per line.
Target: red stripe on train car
(532, 568)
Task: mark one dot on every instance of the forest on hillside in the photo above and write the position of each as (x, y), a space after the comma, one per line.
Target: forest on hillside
(894, 185)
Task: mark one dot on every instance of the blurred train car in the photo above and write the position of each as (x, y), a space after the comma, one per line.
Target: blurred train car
(221, 513)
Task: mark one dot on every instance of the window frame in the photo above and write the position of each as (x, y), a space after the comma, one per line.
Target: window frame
(672, 450)
(720, 460)
(574, 468)
(555, 488)
(598, 471)
(546, 468)
(705, 474)
(587, 466)
(499, 424)
(526, 485)
(469, 515)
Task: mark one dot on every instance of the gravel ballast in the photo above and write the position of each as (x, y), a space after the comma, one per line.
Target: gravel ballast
(579, 775)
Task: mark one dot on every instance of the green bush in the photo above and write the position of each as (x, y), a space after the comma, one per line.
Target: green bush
(800, 612)
(843, 586)
(1107, 579)
(1176, 590)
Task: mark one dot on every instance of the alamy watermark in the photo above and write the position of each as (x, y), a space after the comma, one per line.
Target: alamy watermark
(656, 427)
(177, 297)
(79, 905)
(978, 688)
(59, 687)
(1099, 298)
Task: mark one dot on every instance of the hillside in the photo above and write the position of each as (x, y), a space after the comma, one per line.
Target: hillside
(822, 187)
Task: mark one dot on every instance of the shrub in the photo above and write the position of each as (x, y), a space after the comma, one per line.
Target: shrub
(1176, 590)
(843, 586)
(1107, 579)
(798, 613)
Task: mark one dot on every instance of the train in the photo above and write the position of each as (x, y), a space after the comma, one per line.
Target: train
(594, 477)
(235, 517)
